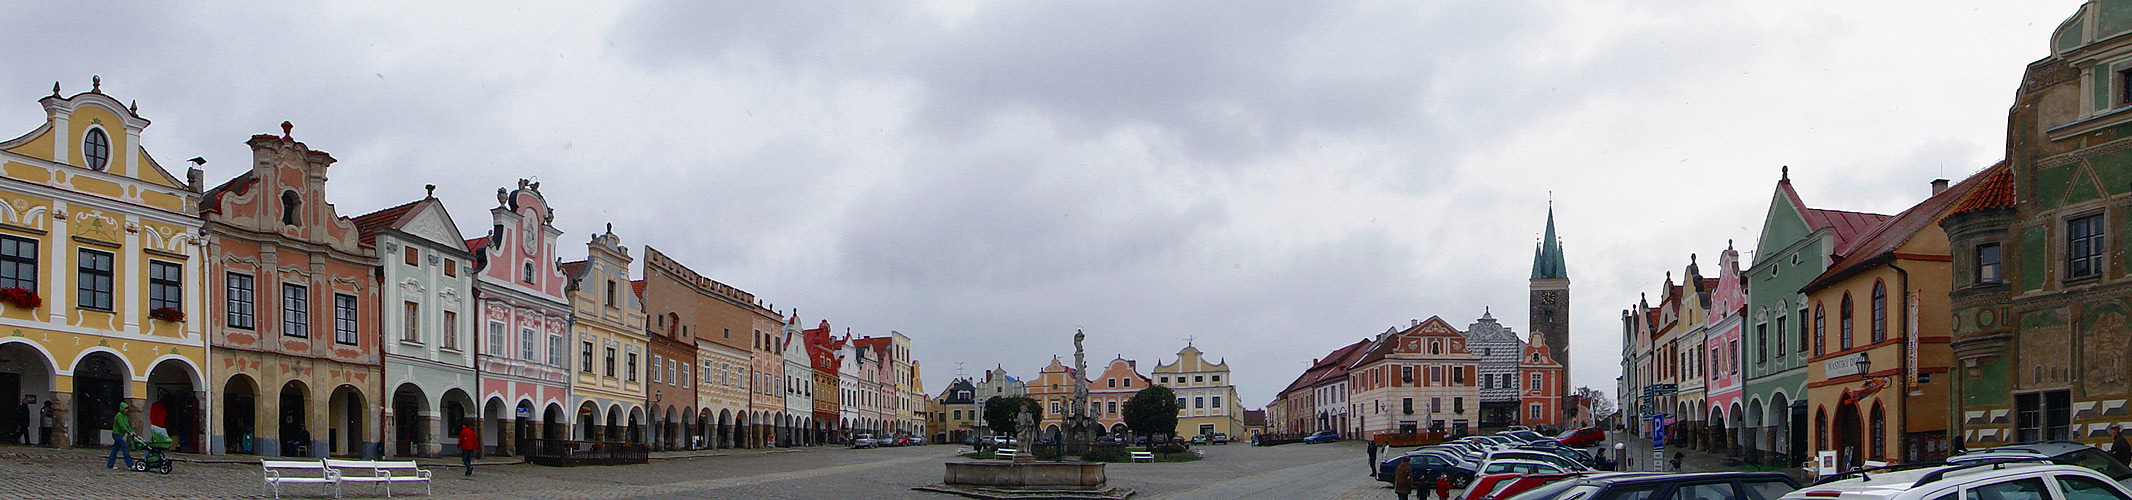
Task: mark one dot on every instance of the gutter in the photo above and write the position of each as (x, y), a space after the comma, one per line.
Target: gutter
(1902, 383)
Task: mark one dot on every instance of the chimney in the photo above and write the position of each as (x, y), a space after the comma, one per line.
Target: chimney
(1938, 186)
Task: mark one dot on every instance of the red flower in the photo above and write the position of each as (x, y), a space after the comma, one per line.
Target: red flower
(21, 297)
(171, 314)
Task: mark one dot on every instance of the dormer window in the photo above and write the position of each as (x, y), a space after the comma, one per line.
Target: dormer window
(291, 208)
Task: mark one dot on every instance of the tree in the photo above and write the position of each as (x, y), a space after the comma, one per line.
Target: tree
(1602, 406)
(999, 413)
(1152, 411)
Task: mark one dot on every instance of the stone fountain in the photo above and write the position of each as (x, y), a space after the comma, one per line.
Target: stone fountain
(1024, 477)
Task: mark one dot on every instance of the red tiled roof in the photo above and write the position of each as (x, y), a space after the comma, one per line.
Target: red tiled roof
(475, 245)
(1996, 191)
(1847, 224)
(1329, 365)
(1876, 246)
(573, 269)
(637, 286)
(211, 200)
(367, 225)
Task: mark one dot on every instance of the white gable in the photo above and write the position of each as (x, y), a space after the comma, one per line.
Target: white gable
(433, 224)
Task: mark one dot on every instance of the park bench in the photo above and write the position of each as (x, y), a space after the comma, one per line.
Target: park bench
(370, 471)
(298, 472)
(1143, 456)
(1005, 453)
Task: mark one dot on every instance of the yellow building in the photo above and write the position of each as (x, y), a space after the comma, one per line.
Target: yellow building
(1206, 396)
(1879, 330)
(99, 276)
(608, 323)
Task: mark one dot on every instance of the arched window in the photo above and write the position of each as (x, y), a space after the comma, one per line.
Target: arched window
(1820, 329)
(1880, 311)
(1879, 428)
(1843, 322)
(291, 208)
(528, 277)
(1820, 428)
(96, 149)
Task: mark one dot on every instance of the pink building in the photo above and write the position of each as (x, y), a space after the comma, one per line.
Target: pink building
(1721, 381)
(524, 321)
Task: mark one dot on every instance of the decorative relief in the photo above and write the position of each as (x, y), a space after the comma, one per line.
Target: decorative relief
(2103, 349)
(96, 226)
(411, 286)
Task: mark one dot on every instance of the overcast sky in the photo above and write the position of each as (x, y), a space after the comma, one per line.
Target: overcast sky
(1275, 178)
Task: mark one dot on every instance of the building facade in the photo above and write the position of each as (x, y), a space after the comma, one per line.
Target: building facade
(1549, 302)
(1206, 394)
(1422, 378)
(427, 290)
(525, 379)
(298, 340)
(717, 319)
(1498, 348)
(94, 238)
(608, 385)
(1722, 381)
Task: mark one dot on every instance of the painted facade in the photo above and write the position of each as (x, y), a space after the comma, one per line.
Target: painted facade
(608, 387)
(960, 415)
(297, 343)
(80, 196)
(1721, 345)
(525, 376)
(1052, 388)
(670, 382)
(427, 295)
(1497, 346)
(1421, 378)
(1541, 376)
(822, 365)
(717, 319)
(798, 386)
(1107, 393)
(1206, 394)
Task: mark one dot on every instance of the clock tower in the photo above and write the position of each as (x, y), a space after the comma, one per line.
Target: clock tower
(1550, 299)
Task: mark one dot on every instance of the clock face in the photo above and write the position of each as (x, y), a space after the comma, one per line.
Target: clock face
(1547, 298)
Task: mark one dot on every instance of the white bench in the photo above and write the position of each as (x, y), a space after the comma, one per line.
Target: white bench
(1005, 453)
(298, 472)
(368, 471)
(1143, 456)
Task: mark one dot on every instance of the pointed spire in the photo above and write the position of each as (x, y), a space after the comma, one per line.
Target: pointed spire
(1547, 258)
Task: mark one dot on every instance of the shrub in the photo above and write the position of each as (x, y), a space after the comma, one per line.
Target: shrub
(1102, 455)
(1165, 449)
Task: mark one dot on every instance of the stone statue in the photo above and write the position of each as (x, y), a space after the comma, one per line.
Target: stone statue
(1025, 431)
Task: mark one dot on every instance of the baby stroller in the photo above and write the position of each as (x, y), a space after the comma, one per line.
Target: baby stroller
(153, 458)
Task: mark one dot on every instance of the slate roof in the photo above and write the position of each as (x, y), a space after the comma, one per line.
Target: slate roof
(1878, 245)
(1547, 259)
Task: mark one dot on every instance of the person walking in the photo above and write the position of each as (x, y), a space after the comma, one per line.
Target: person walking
(1403, 479)
(1372, 447)
(121, 430)
(469, 443)
(19, 429)
(2119, 449)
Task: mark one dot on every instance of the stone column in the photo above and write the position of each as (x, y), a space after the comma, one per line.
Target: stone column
(389, 433)
(266, 425)
(506, 430)
(62, 419)
(429, 440)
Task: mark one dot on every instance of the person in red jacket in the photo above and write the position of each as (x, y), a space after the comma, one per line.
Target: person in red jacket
(469, 443)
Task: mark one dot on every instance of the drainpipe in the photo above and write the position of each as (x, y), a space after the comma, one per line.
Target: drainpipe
(1902, 358)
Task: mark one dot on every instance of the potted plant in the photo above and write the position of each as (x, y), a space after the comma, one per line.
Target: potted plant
(21, 297)
(170, 314)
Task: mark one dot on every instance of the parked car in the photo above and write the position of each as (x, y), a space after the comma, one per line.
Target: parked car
(1976, 480)
(1516, 428)
(1522, 436)
(1583, 438)
(1425, 464)
(864, 441)
(1462, 453)
(1646, 485)
(1499, 486)
(1557, 448)
(1565, 463)
(900, 441)
(1521, 466)
(1218, 438)
(1324, 436)
(2059, 452)
(917, 440)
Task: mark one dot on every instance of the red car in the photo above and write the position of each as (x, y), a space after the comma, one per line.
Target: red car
(1582, 438)
(1501, 486)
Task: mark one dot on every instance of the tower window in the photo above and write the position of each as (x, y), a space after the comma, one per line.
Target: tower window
(96, 149)
(1987, 263)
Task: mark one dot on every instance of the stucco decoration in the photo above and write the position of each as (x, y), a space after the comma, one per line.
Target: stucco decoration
(450, 297)
(412, 286)
(2103, 350)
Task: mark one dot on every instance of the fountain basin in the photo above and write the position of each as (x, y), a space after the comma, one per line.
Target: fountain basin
(1041, 475)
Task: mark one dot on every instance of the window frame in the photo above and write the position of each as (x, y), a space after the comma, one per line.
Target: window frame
(2086, 232)
(240, 306)
(411, 322)
(95, 285)
(96, 149)
(1879, 303)
(347, 327)
(295, 310)
(14, 261)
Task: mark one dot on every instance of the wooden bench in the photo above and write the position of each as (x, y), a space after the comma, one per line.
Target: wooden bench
(1143, 456)
(369, 471)
(298, 472)
(1005, 453)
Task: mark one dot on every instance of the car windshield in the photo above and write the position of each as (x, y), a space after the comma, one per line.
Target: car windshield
(1555, 491)
(2095, 459)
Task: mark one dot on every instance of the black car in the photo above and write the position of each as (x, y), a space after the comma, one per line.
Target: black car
(1653, 485)
(1428, 464)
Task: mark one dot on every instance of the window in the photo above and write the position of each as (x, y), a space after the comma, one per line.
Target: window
(410, 323)
(584, 357)
(1458, 375)
(1878, 422)
(632, 366)
(687, 372)
(451, 330)
(451, 268)
(411, 256)
(1436, 347)
(1843, 323)
(1535, 412)
(1706, 491)
(291, 208)
(1163, 380)
(1436, 375)
(1820, 329)
(1406, 374)
(1536, 378)
(525, 343)
(1113, 407)
(1778, 339)
(1987, 263)
(18, 263)
(295, 310)
(1802, 329)
(528, 276)
(555, 350)
(2086, 488)
(1110, 382)
(1128, 382)
(1199, 402)
(239, 298)
(96, 149)
(656, 360)
(2019, 489)
(1732, 354)
(1761, 342)
(95, 280)
(1880, 312)
(1215, 402)
(1436, 405)
(497, 343)
(2084, 246)
(1217, 379)
(166, 285)
(344, 319)
(610, 293)
(2042, 416)
(1458, 404)
(1199, 379)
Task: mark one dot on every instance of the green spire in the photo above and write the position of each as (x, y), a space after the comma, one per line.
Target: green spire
(1547, 259)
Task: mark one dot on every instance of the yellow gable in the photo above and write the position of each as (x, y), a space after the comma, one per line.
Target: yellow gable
(90, 143)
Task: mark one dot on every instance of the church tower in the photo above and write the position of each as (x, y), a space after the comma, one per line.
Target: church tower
(1550, 299)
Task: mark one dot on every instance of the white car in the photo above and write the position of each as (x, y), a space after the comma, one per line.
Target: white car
(1560, 462)
(864, 441)
(1519, 466)
(1975, 481)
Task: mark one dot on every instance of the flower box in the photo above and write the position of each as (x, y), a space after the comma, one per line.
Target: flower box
(170, 314)
(21, 297)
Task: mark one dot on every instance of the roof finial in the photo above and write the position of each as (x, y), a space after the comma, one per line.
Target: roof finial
(431, 188)
(96, 84)
(55, 88)
(610, 230)
(1785, 174)
(134, 106)
(1550, 199)
(286, 127)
